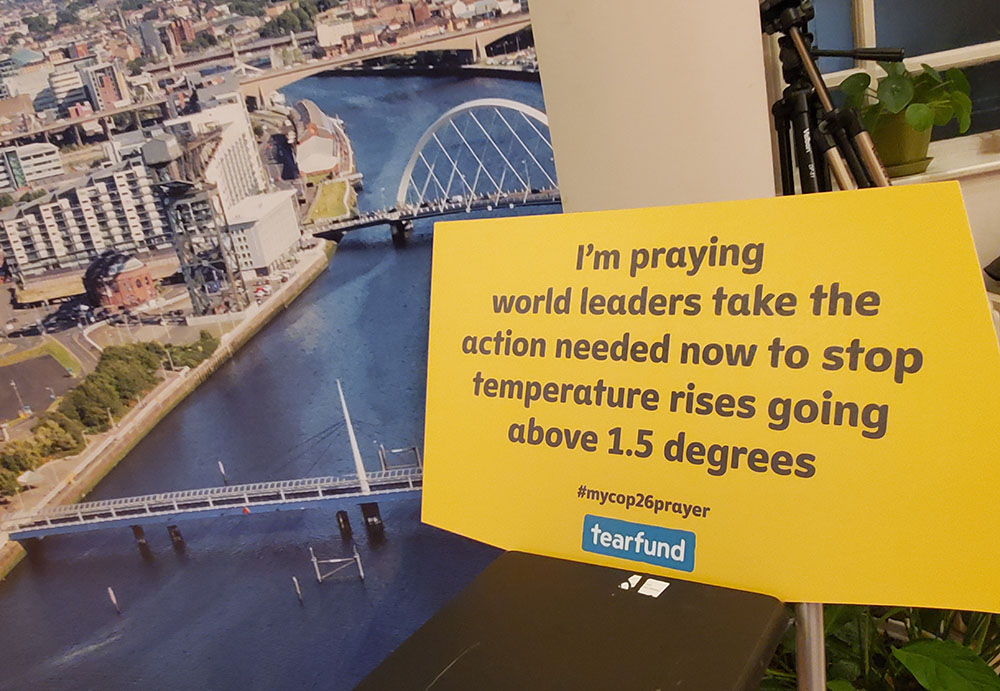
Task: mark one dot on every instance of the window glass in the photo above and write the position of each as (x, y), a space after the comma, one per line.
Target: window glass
(831, 30)
(928, 26)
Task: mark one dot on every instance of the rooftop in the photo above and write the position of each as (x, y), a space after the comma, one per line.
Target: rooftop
(255, 207)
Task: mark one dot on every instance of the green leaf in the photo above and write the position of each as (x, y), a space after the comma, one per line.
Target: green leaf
(839, 685)
(946, 666)
(854, 88)
(856, 83)
(895, 92)
(942, 113)
(957, 78)
(962, 106)
(893, 69)
(870, 117)
(919, 116)
(932, 73)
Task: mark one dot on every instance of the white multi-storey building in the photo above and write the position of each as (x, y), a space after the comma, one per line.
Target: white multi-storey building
(67, 89)
(114, 208)
(232, 164)
(264, 229)
(30, 163)
(40, 161)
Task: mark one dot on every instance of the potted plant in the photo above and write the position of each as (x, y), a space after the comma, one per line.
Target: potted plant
(903, 109)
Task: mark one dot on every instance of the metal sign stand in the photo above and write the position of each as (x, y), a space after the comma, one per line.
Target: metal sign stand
(815, 138)
(810, 647)
(343, 564)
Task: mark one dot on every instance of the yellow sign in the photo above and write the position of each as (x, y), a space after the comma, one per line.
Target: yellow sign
(794, 396)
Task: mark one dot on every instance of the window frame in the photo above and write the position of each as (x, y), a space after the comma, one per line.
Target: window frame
(864, 32)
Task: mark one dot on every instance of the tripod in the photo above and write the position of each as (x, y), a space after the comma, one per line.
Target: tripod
(825, 140)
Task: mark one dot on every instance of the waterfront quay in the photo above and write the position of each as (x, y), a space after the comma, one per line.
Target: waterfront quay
(67, 480)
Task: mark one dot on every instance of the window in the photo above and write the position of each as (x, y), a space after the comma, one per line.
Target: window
(957, 33)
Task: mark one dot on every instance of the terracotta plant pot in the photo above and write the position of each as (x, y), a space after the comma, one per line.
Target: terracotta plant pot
(902, 149)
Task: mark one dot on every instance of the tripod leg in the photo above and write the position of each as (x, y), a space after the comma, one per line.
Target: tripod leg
(822, 166)
(783, 129)
(834, 122)
(865, 148)
(802, 138)
(835, 161)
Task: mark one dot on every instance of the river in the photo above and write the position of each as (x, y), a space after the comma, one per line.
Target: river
(223, 613)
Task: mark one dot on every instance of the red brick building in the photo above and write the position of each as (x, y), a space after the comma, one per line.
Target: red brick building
(117, 280)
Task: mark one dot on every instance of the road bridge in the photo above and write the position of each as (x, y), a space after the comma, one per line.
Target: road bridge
(260, 86)
(211, 502)
(103, 117)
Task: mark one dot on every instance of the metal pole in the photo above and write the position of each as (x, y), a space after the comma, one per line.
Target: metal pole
(298, 590)
(810, 652)
(357, 558)
(358, 464)
(312, 557)
(222, 469)
(20, 403)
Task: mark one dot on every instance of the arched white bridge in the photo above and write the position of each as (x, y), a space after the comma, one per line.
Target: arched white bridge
(477, 149)
(483, 154)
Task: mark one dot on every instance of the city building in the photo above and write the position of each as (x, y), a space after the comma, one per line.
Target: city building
(78, 49)
(475, 9)
(40, 161)
(182, 30)
(227, 150)
(4, 90)
(23, 165)
(333, 26)
(124, 146)
(25, 57)
(321, 146)
(149, 37)
(8, 68)
(65, 89)
(105, 86)
(264, 231)
(113, 208)
(117, 280)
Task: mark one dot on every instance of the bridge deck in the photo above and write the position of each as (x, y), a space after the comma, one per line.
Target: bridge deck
(438, 208)
(259, 497)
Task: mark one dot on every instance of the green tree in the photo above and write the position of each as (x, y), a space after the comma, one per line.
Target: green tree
(52, 440)
(135, 66)
(8, 483)
(6, 200)
(37, 24)
(65, 17)
(18, 456)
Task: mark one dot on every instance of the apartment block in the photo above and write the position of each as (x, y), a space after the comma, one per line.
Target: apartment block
(23, 165)
(114, 208)
(229, 158)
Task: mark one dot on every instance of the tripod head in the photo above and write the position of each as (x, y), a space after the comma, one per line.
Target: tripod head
(779, 16)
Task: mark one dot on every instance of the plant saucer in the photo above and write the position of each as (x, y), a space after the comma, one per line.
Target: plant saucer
(911, 168)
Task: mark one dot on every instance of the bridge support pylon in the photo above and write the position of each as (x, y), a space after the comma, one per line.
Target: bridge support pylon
(400, 232)
(175, 536)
